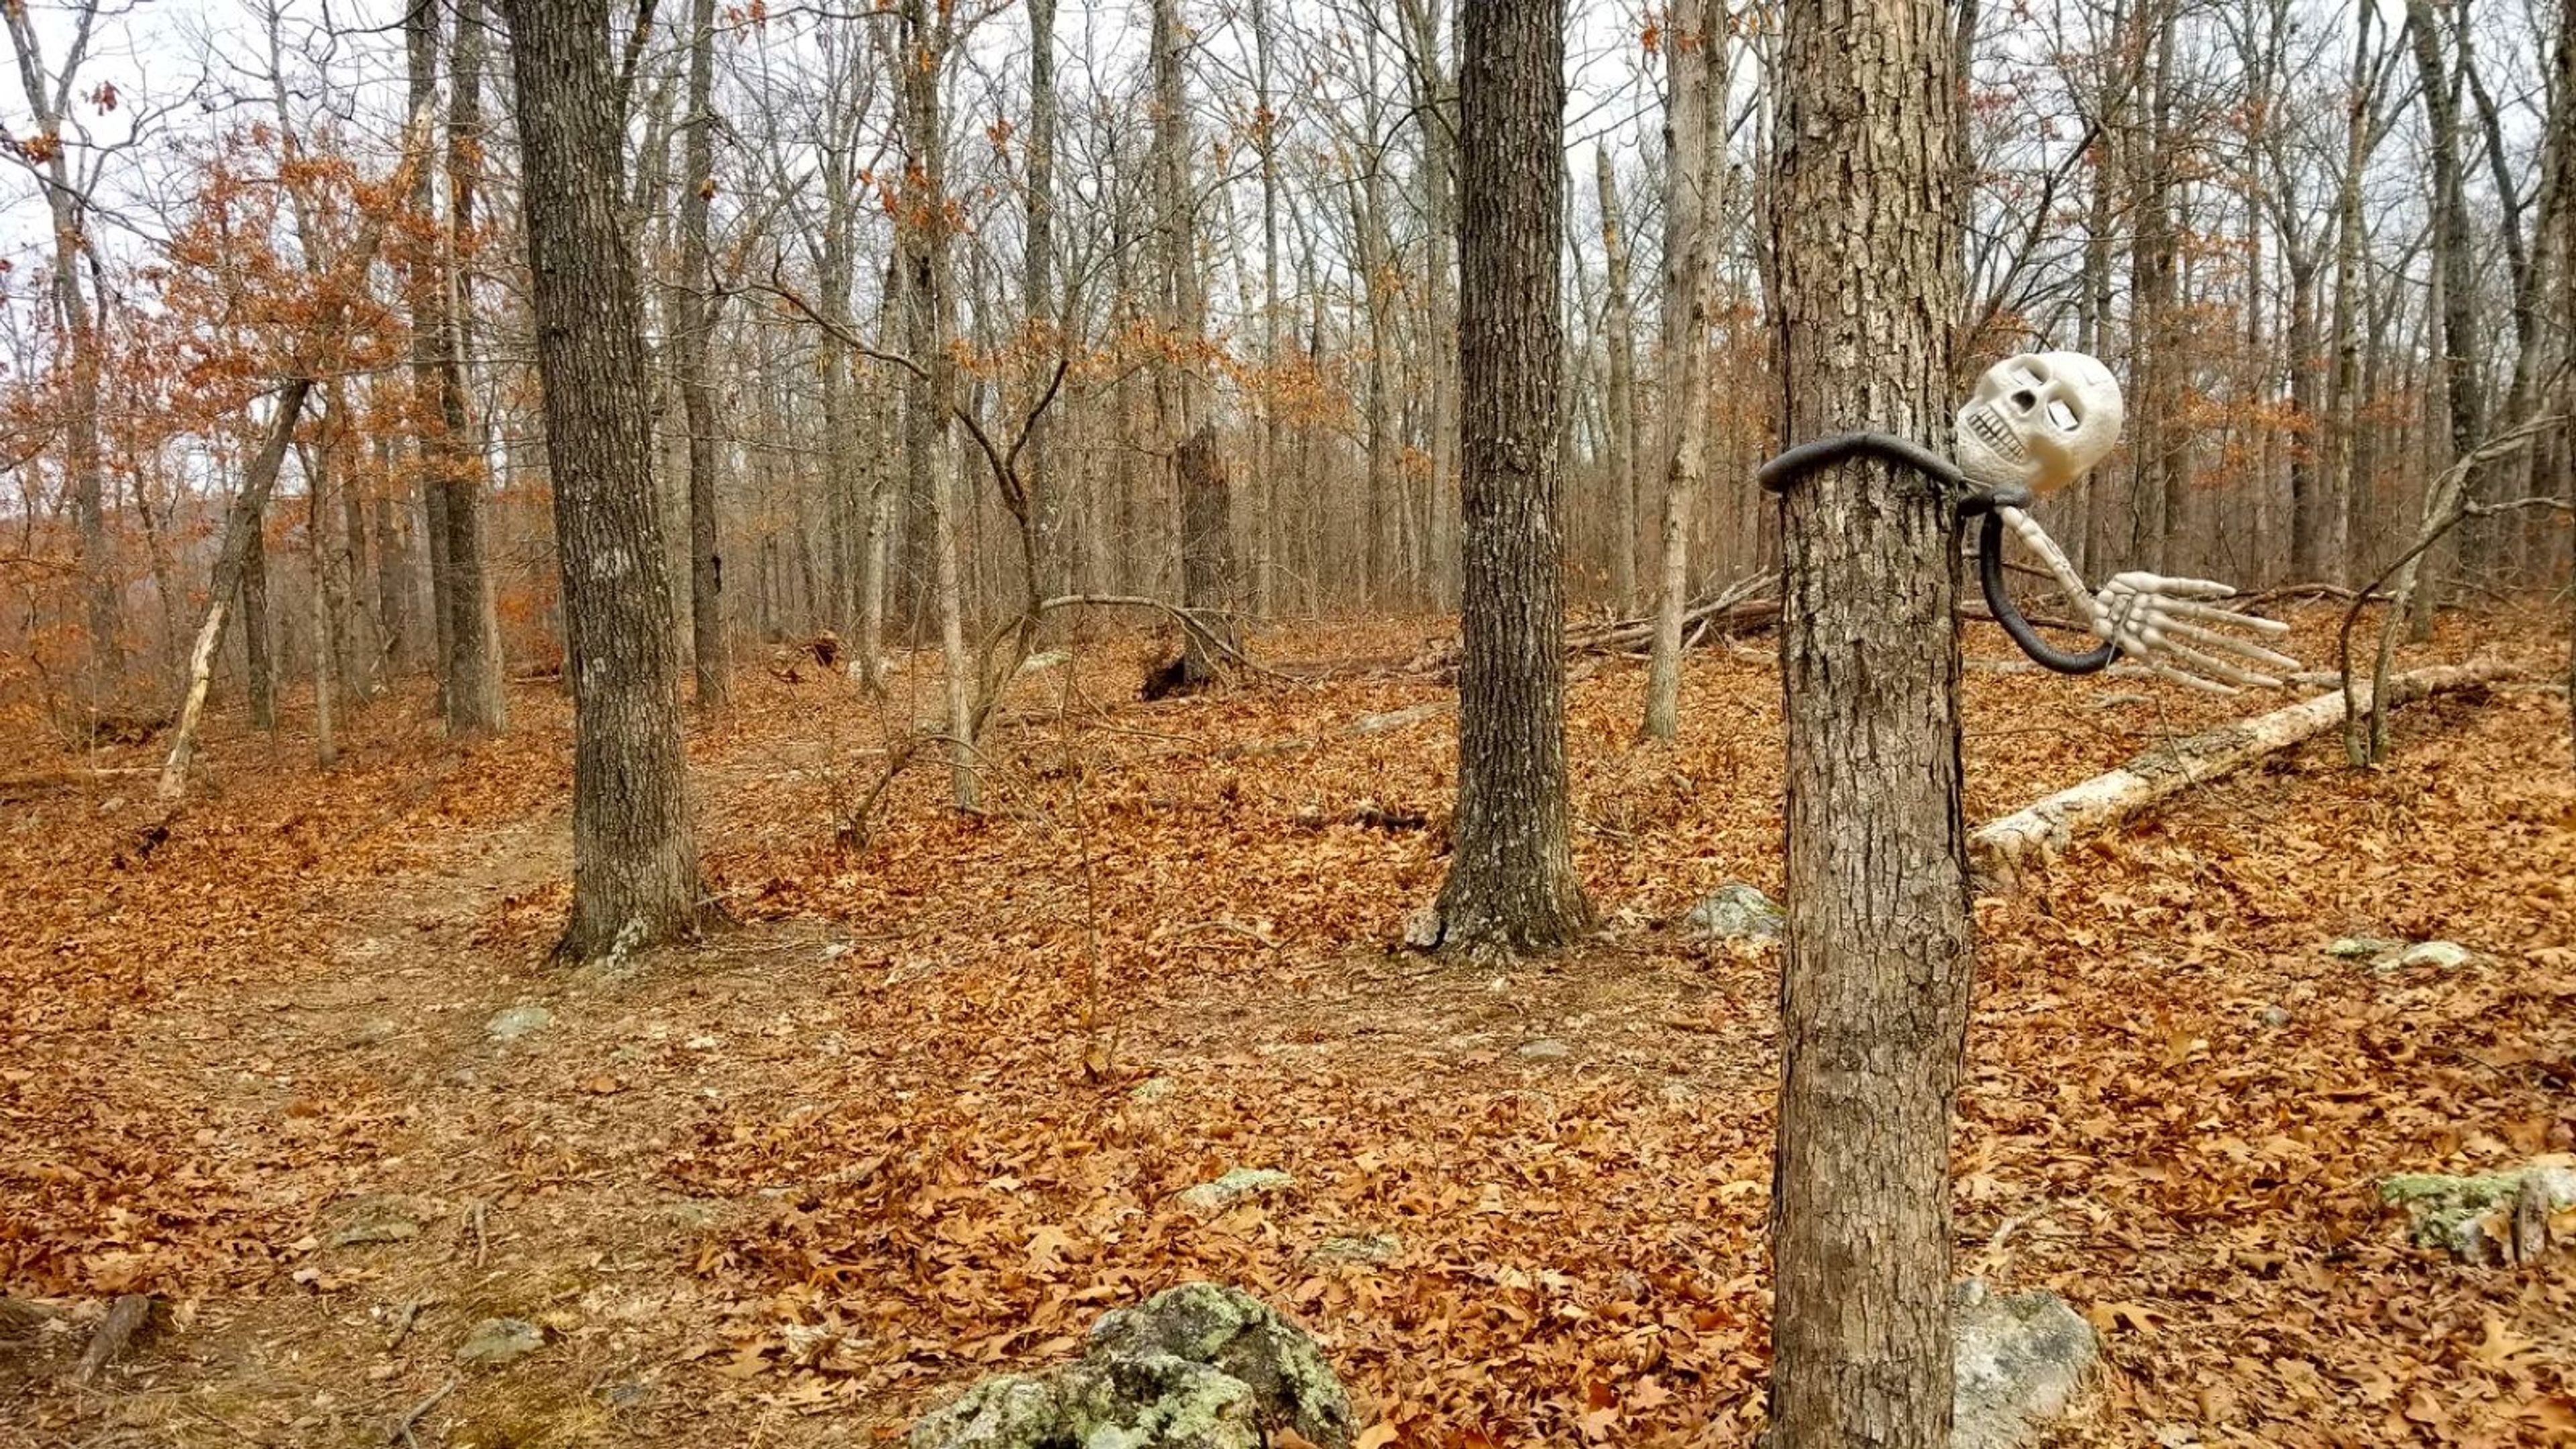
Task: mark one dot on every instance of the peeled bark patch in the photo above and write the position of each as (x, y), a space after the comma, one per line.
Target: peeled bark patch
(1201, 1366)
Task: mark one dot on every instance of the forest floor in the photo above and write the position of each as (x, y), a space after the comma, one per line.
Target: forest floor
(894, 1130)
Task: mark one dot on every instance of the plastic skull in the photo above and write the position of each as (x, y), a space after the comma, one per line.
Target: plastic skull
(2039, 419)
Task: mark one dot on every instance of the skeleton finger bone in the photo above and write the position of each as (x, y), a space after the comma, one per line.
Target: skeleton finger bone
(2212, 639)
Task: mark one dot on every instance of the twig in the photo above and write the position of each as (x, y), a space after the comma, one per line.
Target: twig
(403, 1321)
(401, 1431)
(482, 1240)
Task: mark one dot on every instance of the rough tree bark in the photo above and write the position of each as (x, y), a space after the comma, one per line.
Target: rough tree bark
(712, 668)
(2343, 415)
(1511, 884)
(929, 442)
(635, 854)
(2455, 261)
(1046, 499)
(1433, 107)
(1206, 527)
(2154, 449)
(1874, 989)
(1694, 131)
(259, 666)
(1619, 319)
(475, 701)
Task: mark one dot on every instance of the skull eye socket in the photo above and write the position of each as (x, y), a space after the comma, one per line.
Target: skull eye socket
(2064, 416)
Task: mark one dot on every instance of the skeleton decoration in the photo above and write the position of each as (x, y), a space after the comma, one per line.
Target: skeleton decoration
(2040, 420)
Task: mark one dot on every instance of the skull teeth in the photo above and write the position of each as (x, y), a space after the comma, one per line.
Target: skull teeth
(1996, 433)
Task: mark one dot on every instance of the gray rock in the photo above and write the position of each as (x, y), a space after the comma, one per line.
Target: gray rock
(2020, 1362)
(1545, 1049)
(1234, 1187)
(1396, 719)
(2275, 1017)
(1370, 1248)
(1199, 1367)
(1423, 928)
(1152, 1089)
(517, 1022)
(2441, 955)
(2360, 948)
(1736, 912)
(2471, 1217)
(496, 1341)
(375, 1218)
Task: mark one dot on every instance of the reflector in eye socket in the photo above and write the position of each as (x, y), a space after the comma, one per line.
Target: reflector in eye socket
(2064, 416)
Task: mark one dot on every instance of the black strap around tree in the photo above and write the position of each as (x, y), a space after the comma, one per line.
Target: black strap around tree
(1778, 474)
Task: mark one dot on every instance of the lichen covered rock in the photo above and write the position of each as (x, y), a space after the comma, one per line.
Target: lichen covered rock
(2019, 1363)
(1201, 1366)
(2471, 1217)
(1736, 912)
(1236, 1186)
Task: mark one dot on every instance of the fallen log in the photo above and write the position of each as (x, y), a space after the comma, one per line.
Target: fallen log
(126, 1318)
(2004, 848)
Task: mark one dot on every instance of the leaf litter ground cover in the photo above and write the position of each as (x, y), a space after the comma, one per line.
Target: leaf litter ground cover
(933, 1104)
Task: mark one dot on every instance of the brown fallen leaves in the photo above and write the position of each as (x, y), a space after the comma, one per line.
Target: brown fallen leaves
(954, 1169)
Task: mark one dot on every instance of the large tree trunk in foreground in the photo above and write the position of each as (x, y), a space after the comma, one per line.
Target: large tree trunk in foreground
(2048, 828)
(635, 854)
(1874, 988)
(1511, 879)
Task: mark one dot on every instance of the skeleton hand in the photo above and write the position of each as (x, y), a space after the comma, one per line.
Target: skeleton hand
(2171, 627)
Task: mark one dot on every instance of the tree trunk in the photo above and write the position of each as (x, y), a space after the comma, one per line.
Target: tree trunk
(1432, 107)
(259, 667)
(48, 97)
(1874, 991)
(1620, 322)
(929, 446)
(1511, 884)
(2453, 261)
(241, 521)
(1694, 131)
(713, 668)
(2567, 319)
(1270, 537)
(1037, 466)
(635, 855)
(474, 699)
(2344, 399)
(2315, 552)
(2154, 369)
(1206, 527)
(1368, 220)
(326, 659)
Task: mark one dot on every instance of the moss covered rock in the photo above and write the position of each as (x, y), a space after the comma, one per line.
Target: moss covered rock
(2470, 1217)
(1201, 1366)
